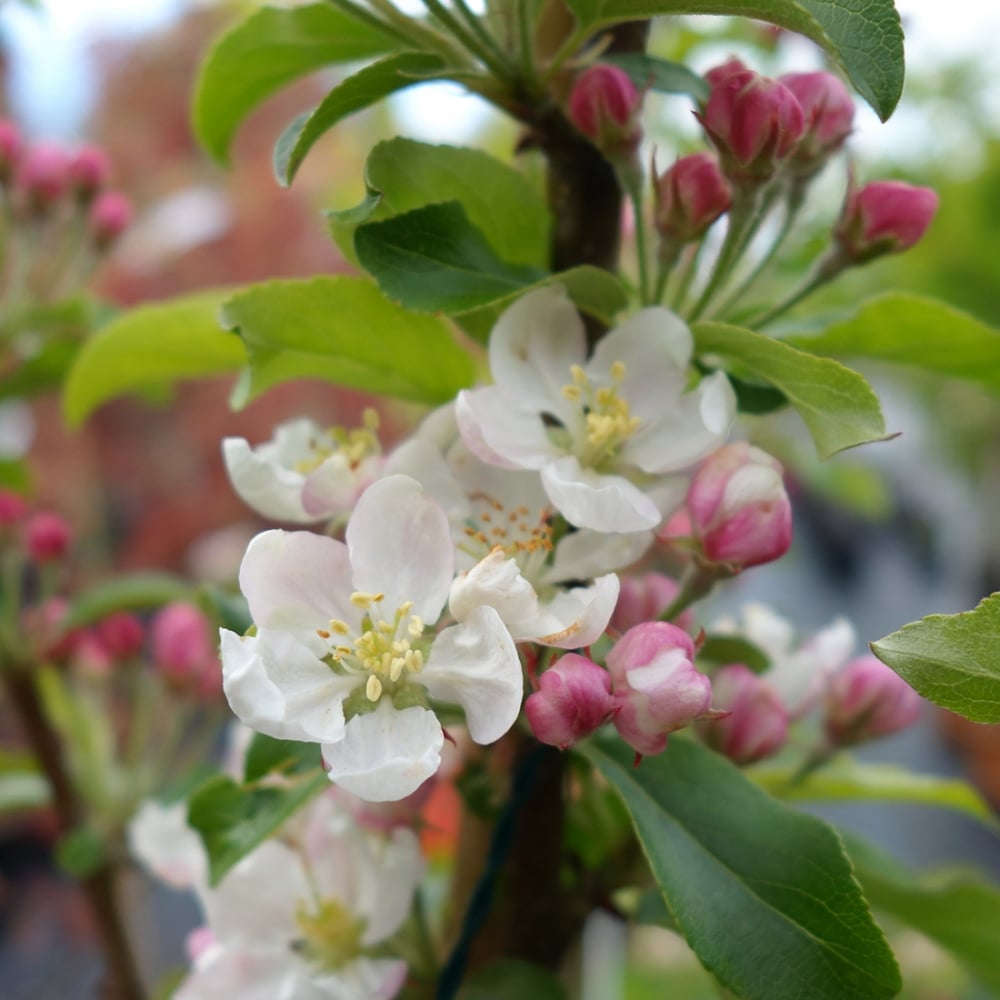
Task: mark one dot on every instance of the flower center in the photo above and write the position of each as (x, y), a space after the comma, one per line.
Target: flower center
(522, 535)
(353, 445)
(384, 651)
(331, 935)
(608, 419)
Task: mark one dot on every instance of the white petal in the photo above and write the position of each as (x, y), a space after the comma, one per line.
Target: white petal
(499, 435)
(263, 485)
(161, 840)
(512, 488)
(258, 974)
(582, 555)
(588, 499)
(475, 665)
(532, 349)
(386, 754)
(278, 687)
(334, 485)
(297, 580)
(362, 979)
(495, 582)
(576, 617)
(423, 462)
(400, 544)
(395, 867)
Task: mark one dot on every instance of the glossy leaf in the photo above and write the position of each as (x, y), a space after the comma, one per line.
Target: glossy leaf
(265, 52)
(152, 347)
(361, 90)
(951, 660)
(267, 755)
(344, 330)
(914, 332)
(660, 74)
(837, 404)
(128, 592)
(863, 36)
(763, 894)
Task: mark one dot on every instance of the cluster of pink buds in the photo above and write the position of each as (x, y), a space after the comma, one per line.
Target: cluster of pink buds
(185, 649)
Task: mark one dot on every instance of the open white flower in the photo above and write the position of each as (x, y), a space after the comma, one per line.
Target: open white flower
(305, 473)
(605, 433)
(343, 656)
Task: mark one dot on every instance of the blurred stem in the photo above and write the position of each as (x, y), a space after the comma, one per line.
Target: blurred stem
(489, 43)
(688, 270)
(632, 183)
(485, 51)
(397, 24)
(697, 583)
(826, 270)
(666, 260)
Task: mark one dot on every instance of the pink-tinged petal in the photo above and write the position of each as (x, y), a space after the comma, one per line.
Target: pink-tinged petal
(482, 481)
(533, 346)
(475, 665)
(333, 486)
(577, 617)
(278, 687)
(393, 870)
(423, 462)
(265, 486)
(362, 979)
(386, 754)
(298, 581)
(582, 555)
(161, 840)
(499, 435)
(588, 499)
(400, 545)
(495, 582)
(236, 972)
(696, 425)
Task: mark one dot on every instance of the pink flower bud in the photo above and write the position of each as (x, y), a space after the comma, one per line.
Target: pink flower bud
(867, 699)
(12, 508)
(884, 217)
(829, 116)
(183, 646)
(754, 122)
(43, 175)
(690, 196)
(656, 687)
(47, 536)
(110, 215)
(89, 655)
(604, 106)
(11, 147)
(757, 724)
(732, 66)
(122, 634)
(644, 599)
(573, 699)
(739, 508)
(89, 169)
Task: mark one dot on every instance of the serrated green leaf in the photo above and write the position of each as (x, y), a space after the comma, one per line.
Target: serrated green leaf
(266, 755)
(129, 592)
(365, 88)
(233, 819)
(150, 347)
(434, 259)
(914, 332)
(864, 37)
(724, 649)
(848, 779)
(763, 894)
(660, 74)
(837, 404)
(952, 660)
(265, 52)
(961, 913)
(344, 330)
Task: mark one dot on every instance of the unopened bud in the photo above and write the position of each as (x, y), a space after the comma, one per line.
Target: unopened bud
(866, 700)
(12, 508)
(122, 634)
(11, 147)
(689, 197)
(89, 169)
(573, 699)
(643, 599)
(47, 536)
(110, 215)
(757, 724)
(656, 687)
(754, 122)
(604, 106)
(732, 66)
(739, 509)
(183, 645)
(884, 217)
(829, 117)
(43, 176)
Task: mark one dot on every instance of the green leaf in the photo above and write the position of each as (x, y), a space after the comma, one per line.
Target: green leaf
(434, 259)
(653, 910)
(915, 332)
(763, 894)
(512, 979)
(363, 89)
(234, 819)
(847, 778)
(660, 74)
(723, 649)
(130, 592)
(265, 52)
(953, 660)
(864, 37)
(266, 755)
(41, 371)
(960, 913)
(345, 331)
(151, 347)
(836, 403)
(80, 852)
(500, 202)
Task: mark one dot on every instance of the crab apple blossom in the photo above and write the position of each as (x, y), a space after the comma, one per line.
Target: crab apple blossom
(644, 598)
(122, 634)
(866, 700)
(655, 685)
(757, 723)
(604, 105)
(110, 215)
(690, 196)
(305, 474)
(89, 170)
(183, 647)
(883, 217)
(47, 536)
(739, 508)
(604, 433)
(829, 117)
(343, 656)
(43, 175)
(13, 508)
(573, 699)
